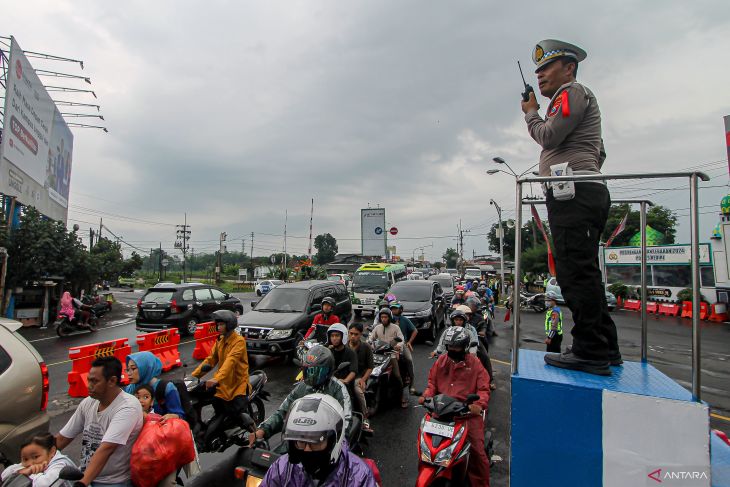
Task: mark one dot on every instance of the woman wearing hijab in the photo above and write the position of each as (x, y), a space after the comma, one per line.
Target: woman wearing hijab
(67, 305)
(145, 368)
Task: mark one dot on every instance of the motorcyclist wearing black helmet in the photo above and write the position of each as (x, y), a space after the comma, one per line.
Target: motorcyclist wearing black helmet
(230, 381)
(326, 318)
(319, 369)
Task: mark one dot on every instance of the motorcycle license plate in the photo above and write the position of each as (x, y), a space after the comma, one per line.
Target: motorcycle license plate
(439, 429)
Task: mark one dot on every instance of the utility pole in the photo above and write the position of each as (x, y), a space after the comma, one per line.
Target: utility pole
(252, 266)
(286, 220)
(91, 238)
(222, 249)
(311, 217)
(501, 244)
(98, 236)
(159, 263)
(181, 242)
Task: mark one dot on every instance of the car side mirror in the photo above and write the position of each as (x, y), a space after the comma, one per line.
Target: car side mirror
(253, 305)
(70, 473)
(381, 296)
(315, 307)
(227, 296)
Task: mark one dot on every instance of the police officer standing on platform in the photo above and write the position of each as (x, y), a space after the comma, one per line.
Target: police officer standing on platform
(553, 323)
(571, 133)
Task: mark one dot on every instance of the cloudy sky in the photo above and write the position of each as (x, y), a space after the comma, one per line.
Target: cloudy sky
(237, 111)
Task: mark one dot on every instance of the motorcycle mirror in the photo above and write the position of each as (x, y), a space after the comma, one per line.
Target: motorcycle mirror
(428, 343)
(253, 304)
(70, 473)
(471, 398)
(206, 368)
(473, 344)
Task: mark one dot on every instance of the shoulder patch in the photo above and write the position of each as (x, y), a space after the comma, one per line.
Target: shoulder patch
(555, 106)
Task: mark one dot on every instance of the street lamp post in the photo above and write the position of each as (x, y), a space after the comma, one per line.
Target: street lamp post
(501, 244)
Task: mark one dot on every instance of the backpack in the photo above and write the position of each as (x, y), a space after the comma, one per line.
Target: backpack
(182, 390)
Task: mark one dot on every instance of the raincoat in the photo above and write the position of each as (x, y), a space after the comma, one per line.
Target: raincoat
(350, 471)
(230, 355)
(67, 305)
(150, 369)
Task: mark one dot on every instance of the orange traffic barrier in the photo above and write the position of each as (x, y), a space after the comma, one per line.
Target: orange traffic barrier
(719, 313)
(668, 309)
(686, 309)
(205, 337)
(632, 304)
(704, 310)
(164, 345)
(652, 306)
(81, 358)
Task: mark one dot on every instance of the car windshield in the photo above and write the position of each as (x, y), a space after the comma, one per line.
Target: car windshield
(158, 297)
(334, 278)
(370, 281)
(446, 282)
(411, 293)
(284, 300)
(277, 282)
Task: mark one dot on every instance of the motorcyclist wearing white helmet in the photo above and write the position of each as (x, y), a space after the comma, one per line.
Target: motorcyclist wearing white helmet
(315, 433)
(336, 335)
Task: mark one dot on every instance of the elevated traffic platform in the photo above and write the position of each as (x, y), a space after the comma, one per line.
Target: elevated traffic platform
(573, 428)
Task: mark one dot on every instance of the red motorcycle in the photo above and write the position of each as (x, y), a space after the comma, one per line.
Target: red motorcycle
(443, 447)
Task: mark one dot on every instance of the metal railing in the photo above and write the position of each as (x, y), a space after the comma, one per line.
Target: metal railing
(693, 178)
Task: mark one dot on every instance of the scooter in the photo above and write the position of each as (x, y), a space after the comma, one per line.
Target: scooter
(66, 325)
(100, 307)
(381, 388)
(533, 301)
(225, 430)
(67, 473)
(443, 447)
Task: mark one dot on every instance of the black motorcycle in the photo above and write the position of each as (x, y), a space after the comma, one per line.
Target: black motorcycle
(100, 307)
(217, 433)
(67, 474)
(382, 388)
(533, 301)
(66, 325)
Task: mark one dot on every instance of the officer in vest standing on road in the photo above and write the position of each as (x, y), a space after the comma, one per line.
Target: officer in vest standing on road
(570, 137)
(553, 323)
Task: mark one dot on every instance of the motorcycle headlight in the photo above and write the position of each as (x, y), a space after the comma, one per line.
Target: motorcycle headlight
(444, 457)
(279, 334)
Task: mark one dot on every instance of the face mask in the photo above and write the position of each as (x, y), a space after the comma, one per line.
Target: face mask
(457, 356)
(316, 463)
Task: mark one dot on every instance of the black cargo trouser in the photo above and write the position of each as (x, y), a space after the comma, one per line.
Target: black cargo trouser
(576, 227)
(555, 344)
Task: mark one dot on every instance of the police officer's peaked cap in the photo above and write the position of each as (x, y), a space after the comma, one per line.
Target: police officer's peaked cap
(548, 50)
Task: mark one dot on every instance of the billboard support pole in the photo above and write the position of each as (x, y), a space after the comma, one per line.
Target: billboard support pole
(4, 271)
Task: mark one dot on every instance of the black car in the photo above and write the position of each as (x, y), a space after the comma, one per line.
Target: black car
(279, 321)
(447, 286)
(182, 306)
(423, 304)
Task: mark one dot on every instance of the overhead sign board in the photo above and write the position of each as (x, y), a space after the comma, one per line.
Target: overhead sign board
(656, 255)
(37, 145)
(373, 233)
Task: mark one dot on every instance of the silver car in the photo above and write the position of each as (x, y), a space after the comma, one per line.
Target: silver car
(24, 389)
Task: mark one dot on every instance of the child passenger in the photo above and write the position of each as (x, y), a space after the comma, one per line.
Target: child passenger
(41, 461)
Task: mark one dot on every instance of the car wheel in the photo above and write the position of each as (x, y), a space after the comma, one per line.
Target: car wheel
(258, 293)
(190, 326)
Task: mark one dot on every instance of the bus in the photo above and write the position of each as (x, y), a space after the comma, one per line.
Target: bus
(372, 281)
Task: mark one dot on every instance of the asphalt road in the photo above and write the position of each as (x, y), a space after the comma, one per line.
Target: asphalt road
(394, 443)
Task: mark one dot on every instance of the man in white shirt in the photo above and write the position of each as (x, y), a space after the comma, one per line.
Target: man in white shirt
(110, 421)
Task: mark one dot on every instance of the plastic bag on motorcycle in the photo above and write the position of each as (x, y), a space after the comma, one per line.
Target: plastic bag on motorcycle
(161, 448)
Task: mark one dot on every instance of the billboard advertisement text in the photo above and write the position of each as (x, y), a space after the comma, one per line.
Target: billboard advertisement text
(373, 232)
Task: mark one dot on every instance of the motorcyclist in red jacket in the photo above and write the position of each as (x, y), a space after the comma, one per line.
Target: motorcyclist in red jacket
(326, 317)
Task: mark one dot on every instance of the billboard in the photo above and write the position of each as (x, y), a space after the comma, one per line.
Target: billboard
(373, 232)
(37, 145)
(664, 254)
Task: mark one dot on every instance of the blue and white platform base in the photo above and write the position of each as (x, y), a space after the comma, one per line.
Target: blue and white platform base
(576, 429)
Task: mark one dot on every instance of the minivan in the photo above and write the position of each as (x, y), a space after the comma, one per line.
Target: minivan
(182, 306)
(278, 322)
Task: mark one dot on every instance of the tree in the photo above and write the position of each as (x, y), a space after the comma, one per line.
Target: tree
(535, 260)
(528, 238)
(451, 257)
(438, 265)
(658, 217)
(106, 257)
(131, 265)
(326, 246)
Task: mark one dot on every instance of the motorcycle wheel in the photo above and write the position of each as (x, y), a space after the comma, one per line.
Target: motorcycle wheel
(93, 326)
(62, 329)
(257, 410)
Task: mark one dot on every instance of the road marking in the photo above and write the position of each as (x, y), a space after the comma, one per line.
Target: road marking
(100, 329)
